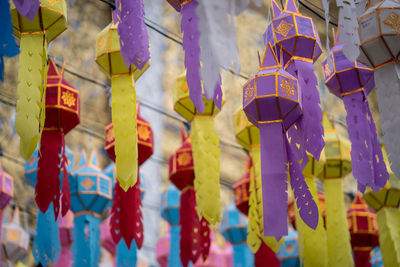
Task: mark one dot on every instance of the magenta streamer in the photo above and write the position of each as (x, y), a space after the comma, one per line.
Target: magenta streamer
(134, 39)
(274, 179)
(308, 210)
(65, 258)
(27, 8)
(191, 35)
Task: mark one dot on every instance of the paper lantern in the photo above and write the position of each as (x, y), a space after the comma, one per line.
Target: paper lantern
(363, 231)
(91, 192)
(378, 29)
(337, 165)
(110, 61)
(66, 224)
(204, 139)
(162, 250)
(353, 81)
(289, 252)
(15, 240)
(216, 256)
(376, 258)
(242, 194)
(271, 102)
(234, 230)
(385, 202)
(35, 32)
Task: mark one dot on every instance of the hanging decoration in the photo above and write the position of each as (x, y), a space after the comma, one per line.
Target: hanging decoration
(133, 36)
(106, 239)
(110, 61)
(62, 115)
(312, 244)
(46, 245)
(363, 231)
(194, 233)
(352, 82)
(6, 192)
(216, 256)
(265, 252)
(337, 166)
(35, 32)
(376, 258)
(241, 190)
(206, 151)
(8, 47)
(295, 39)
(378, 29)
(234, 229)
(170, 212)
(271, 102)
(14, 239)
(288, 253)
(163, 249)
(66, 224)
(385, 202)
(91, 192)
(248, 136)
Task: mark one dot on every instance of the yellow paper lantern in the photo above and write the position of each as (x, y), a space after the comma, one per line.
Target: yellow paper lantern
(49, 22)
(110, 61)
(205, 150)
(337, 165)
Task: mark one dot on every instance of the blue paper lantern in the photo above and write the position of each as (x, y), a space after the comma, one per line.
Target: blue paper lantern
(288, 253)
(234, 229)
(376, 257)
(91, 194)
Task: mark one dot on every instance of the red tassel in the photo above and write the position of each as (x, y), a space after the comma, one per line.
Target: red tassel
(205, 238)
(48, 182)
(266, 257)
(126, 217)
(66, 196)
(361, 258)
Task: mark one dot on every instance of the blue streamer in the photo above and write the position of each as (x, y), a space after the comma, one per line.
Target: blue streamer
(46, 246)
(126, 257)
(8, 47)
(242, 256)
(174, 249)
(86, 246)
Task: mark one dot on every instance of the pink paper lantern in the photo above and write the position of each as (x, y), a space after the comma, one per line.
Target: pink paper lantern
(106, 239)
(162, 250)
(65, 224)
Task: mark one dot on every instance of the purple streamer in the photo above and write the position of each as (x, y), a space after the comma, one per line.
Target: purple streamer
(27, 8)
(274, 179)
(308, 210)
(134, 39)
(191, 35)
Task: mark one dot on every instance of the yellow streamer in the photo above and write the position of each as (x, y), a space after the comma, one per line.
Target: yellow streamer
(338, 236)
(313, 249)
(125, 130)
(253, 231)
(206, 168)
(389, 235)
(29, 120)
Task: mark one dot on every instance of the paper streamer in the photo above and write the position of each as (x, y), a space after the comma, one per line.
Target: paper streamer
(389, 235)
(313, 249)
(85, 248)
(242, 256)
(126, 257)
(338, 236)
(253, 229)
(206, 167)
(174, 247)
(65, 258)
(27, 8)
(46, 246)
(29, 120)
(125, 129)
(264, 255)
(134, 39)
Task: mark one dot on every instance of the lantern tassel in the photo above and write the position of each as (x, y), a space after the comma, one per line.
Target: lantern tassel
(29, 120)
(65, 258)
(65, 193)
(368, 167)
(126, 257)
(338, 236)
(174, 248)
(266, 255)
(253, 230)
(206, 168)
(242, 256)
(85, 248)
(46, 246)
(389, 235)
(362, 258)
(126, 217)
(125, 130)
(48, 183)
(191, 34)
(205, 238)
(312, 243)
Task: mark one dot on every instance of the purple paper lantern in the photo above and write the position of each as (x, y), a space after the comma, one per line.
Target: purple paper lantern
(271, 101)
(352, 82)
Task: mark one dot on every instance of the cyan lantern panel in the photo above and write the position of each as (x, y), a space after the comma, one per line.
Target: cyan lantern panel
(170, 203)
(233, 225)
(376, 257)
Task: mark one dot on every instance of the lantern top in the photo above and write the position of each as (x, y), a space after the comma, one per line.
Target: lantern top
(247, 135)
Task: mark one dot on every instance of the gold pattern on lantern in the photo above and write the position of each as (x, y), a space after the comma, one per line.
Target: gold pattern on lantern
(184, 158)
(327, 70)
(68, 98)
(248, 93)
(13, 236)
(284, 28)
(287, 88)
(143, 132)
(87, 183)
(393, 21)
